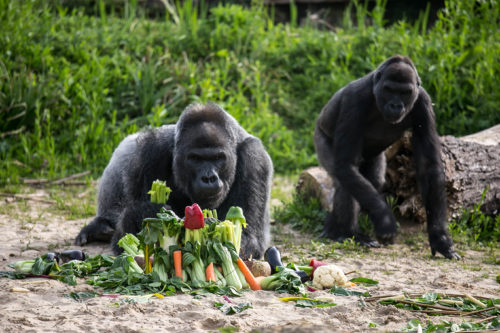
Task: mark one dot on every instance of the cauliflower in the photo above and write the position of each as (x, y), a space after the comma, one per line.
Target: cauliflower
(327, 276)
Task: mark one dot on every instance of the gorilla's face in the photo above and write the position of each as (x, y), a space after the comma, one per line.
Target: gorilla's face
(396, 90)
(205, 164)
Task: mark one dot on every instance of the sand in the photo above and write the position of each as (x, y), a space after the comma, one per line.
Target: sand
(45, 306)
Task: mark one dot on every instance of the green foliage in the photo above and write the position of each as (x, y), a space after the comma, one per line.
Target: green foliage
(341, 291)
(303, 213)
(448, 326)
(76, 80)
(476, 226)
(231, 308)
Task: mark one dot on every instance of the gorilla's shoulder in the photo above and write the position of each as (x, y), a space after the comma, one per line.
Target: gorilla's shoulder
(253, 154)
(161, 135)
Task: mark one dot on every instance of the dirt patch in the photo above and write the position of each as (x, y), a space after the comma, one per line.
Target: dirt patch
(30, 229)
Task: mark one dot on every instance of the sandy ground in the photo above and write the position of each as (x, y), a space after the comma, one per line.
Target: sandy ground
(28, 233)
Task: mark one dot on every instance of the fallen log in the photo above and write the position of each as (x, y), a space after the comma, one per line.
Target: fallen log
(472, 165)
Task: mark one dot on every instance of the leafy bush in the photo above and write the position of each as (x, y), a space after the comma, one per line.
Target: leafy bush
(303, 213)
(476, 226)
(74, 82)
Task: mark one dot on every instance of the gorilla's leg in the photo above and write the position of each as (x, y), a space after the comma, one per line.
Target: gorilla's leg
(374, 171)
(99, 229)
(342, 222)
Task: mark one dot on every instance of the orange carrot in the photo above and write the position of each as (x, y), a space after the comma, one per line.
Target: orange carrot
(210, 273)
(254, 285)
(178, 263)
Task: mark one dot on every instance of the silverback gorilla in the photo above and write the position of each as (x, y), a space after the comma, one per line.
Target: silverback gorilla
(205, 158)
(359, 122)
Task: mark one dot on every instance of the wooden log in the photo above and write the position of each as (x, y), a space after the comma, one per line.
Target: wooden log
(470, 168)
(472, 164)
(317, 183)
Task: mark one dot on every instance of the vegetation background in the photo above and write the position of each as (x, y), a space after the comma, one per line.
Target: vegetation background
(74, 80)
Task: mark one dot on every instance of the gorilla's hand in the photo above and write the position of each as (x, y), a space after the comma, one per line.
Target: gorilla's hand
(385, 226)
(442, 243)
(98, 229)
(251, 247)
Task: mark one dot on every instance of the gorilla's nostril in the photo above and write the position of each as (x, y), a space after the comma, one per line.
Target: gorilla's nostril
(209, 179)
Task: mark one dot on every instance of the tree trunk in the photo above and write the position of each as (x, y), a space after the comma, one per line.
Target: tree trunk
(470, 168)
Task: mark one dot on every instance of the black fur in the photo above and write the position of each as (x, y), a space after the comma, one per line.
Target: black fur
(359, 122)
(206, 158)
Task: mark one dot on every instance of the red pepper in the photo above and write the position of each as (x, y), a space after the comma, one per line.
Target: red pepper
(193, 217)
(315, 264)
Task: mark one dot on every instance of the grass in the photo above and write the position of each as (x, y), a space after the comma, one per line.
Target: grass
(473, 227)
(75, 80)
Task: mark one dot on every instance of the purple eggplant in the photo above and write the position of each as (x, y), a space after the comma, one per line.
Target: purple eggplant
(273, 257)
(69, 255)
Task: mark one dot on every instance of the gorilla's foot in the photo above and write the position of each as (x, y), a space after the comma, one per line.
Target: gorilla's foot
(449, 253)
(364, 240)
(386, 239)
(442, 243)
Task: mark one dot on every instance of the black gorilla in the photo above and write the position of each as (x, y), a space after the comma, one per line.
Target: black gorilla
(359, 122)
(206, 158)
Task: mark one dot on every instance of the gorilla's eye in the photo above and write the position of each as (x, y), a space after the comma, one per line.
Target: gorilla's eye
(390, 90)
(220, 157)
(195, 157)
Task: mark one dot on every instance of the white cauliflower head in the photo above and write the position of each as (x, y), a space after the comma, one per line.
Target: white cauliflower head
(327, 276)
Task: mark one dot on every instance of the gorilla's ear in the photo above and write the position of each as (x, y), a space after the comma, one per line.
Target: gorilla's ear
(419, 82)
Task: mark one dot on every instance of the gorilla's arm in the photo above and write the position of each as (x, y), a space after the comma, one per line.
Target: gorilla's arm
(430, 175)
(251, 191)
(347, 158)
(151, 161)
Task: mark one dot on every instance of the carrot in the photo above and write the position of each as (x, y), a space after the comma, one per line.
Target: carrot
(210, 273)
(254, 285)
(178, 263)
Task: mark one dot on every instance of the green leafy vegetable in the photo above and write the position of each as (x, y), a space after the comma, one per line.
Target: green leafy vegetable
(82, 295)
(364, 281)
(284, 281)
(306, 302)
(235, 215)
(23, 266)
(230, 274)
(171, 228)
(12, 275)
(159, 192)
(231, 308)
(441, 304)
(448, 326)
(130, 244)
(340, 291)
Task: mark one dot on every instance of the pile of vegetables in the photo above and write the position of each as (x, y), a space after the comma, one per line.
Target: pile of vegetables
(198, 250)
(169, 254)
(172, 254)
